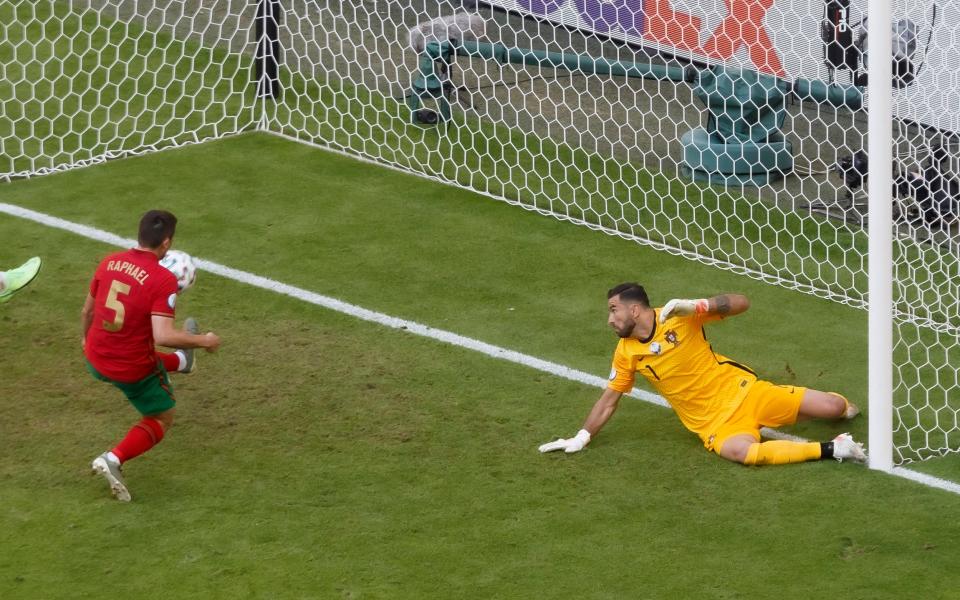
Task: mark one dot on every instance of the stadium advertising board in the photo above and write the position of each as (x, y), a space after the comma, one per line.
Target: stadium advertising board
(780, 37)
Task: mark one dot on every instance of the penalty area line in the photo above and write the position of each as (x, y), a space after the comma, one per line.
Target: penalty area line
(420, 329)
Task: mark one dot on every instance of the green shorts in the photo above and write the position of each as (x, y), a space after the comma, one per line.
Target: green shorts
(151, 395)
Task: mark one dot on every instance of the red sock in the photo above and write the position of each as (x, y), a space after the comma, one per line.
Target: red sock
(144, 435)
(171, 361)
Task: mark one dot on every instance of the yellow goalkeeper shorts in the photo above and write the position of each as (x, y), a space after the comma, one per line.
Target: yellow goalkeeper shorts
(765, 405)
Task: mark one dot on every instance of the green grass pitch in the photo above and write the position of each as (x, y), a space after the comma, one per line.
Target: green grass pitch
(317, 456)
(322, 457)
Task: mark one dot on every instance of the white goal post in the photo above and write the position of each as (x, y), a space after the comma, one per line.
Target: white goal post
(880, 248)
(800, 143)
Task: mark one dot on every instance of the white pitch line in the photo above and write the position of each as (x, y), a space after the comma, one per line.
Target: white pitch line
(930, 480)
(336, 305)
(410, 326)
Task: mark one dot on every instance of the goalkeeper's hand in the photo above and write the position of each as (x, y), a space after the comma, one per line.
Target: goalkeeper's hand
(682, 308)
(571, 445)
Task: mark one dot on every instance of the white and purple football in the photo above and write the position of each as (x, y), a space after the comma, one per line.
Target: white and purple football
(181, 265)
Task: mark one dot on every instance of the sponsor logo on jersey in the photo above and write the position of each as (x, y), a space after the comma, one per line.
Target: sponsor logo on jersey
(655, 348)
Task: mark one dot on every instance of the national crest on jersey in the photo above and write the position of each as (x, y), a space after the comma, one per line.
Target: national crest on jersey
(678, 361)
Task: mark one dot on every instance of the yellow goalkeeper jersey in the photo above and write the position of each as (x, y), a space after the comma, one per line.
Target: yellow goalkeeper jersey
(704, 388)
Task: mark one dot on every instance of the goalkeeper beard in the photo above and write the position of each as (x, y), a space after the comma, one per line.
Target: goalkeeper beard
(627, 329)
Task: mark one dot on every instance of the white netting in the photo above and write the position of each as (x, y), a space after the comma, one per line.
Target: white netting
(615, 114)
(85, 81)
(615, 152)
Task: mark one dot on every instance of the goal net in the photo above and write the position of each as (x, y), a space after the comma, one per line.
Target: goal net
(86, 81)
(730, 132)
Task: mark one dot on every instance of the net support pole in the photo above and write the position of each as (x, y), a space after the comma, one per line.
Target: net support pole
(268, 56)
(880, 221)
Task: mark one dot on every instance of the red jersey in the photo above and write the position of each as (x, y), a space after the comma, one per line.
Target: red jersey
(128, 288)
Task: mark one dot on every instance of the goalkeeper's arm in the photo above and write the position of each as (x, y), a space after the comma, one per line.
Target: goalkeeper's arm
(725, 305)
(598, 417)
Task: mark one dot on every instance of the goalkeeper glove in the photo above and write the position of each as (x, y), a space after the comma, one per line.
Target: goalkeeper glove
(574, 444)
(683, 308)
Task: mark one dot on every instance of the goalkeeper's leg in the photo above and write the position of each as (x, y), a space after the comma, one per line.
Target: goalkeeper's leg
(825, 405)
(772, 405)
(746, 450)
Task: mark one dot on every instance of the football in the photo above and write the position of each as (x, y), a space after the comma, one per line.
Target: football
(181, 265)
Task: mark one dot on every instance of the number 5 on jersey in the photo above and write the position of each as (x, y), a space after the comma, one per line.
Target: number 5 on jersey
(114, 304)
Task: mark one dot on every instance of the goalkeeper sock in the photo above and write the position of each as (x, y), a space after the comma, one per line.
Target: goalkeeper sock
(826, 450)
(782, 452)
(144, 435)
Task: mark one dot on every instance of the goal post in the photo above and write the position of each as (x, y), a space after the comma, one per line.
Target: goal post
(880, 355)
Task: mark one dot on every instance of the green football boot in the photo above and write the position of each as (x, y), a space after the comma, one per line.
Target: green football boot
(16, 279)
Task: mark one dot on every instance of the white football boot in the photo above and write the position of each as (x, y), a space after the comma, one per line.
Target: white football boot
(102, 465)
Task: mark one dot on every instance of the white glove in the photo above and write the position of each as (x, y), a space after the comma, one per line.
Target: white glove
(574, 444)
(682, 308)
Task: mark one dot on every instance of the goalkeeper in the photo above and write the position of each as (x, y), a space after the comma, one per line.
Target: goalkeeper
(720, 400)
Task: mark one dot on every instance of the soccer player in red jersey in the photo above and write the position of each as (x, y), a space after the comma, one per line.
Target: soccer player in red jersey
(130, 309)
